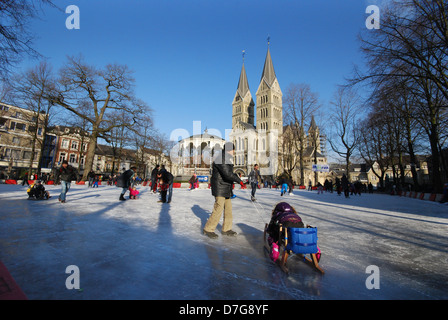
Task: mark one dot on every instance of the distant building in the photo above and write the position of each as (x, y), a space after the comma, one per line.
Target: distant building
(18, 130)
(71, 144)
(193, 155)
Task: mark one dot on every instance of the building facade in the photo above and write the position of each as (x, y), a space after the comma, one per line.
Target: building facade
(260, 137)
(21, 139)
(71, 144)
(194, 155)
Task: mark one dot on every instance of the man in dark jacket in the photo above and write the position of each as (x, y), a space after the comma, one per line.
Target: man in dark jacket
(124, 181)
(154, 174)
(221, 184)
(168, 178)
(65, 174)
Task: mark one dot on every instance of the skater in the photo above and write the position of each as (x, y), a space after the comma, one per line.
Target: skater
(290, 186)
(338, 186)
(133, 192)
(193, 181)
(320, 188)
(163, 190)
(65, 174)
(254, 180)
(284, 186)
(345, 185)
(154, 174)
(91, 177)
(168, 178)
(96, 179)
(124, 181)
(221, 182)
(309, 186)
(25, 179)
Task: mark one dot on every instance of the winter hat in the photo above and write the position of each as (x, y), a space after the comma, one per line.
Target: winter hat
(65, 162)
(283, 207)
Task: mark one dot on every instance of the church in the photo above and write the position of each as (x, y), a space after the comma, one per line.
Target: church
(259, 135)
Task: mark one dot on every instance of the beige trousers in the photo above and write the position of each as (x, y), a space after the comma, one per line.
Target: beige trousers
(221, 204)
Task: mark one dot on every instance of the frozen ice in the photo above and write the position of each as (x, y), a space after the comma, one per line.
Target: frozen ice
(142, 249)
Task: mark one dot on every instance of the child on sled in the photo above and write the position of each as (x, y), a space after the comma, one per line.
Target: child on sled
(285, 215)
(304, 240)
(37, 191)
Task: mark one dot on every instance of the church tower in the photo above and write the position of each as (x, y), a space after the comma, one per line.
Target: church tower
(269, 99)
(243, 104)
(313, 135)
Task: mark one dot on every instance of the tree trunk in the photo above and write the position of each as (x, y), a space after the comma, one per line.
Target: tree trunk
(90, 155)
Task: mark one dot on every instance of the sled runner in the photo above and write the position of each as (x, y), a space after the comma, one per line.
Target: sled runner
(300, 241)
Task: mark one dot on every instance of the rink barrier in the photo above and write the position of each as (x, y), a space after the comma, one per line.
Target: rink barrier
(436, 197)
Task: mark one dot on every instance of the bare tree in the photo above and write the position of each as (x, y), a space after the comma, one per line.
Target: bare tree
(106, 90)
(31, 89)
(345, 115)
(300, 103)
(412, 46)
(15, 35)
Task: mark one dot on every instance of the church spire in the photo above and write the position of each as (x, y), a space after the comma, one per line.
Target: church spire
(268, 71)
(243, 84)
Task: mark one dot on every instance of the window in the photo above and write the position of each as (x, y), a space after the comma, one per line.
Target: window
(27, 155)
(20, 126)
(15, 154)
(16, 140)
(61, 156)
(64, 143)
(39, 131)
(75, 145)
(72, 158)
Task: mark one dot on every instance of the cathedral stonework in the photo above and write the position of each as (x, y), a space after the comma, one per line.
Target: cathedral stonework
(258, 131)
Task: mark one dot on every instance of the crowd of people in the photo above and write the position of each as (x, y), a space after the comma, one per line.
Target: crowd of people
(161, 180)
(221, 183)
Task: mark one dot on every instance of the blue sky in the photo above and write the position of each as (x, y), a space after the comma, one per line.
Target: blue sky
(187, 54)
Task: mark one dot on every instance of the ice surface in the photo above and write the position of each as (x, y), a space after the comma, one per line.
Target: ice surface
(141, 249)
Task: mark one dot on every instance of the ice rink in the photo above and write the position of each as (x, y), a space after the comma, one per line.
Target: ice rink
(141, 249)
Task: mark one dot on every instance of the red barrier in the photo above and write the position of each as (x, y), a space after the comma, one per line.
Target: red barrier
(11, 181)
(176, 185)
(50, 182)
